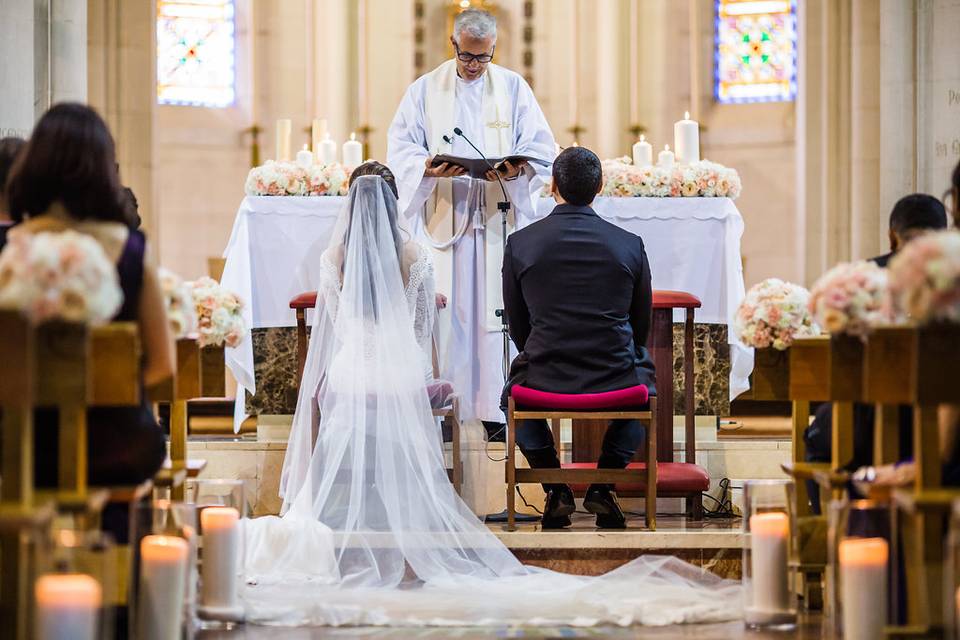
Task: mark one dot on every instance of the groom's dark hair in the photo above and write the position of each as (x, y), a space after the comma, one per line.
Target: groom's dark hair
(578, 175)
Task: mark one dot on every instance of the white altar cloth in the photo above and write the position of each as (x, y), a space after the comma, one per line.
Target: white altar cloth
(693, 245)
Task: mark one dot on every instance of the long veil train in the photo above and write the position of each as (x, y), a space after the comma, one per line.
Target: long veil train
(372, 530)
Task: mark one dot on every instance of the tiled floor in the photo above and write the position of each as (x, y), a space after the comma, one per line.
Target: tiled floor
(808, 629)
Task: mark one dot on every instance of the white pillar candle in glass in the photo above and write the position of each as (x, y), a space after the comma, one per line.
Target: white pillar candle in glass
(863, 587)
(318, 131)
(328, 150)
(68, 606)
(642, 152)
(221, 543)
(283, 140)
(304, 158)
(665, 158)
(163, 573)
(769, 540)
(686, 139)
(352, 152)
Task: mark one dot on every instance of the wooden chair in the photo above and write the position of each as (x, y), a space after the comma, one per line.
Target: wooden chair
(617, 405)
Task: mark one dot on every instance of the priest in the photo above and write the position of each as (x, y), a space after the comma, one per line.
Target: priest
(469, 100)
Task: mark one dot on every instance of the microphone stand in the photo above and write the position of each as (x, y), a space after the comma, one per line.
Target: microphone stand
(504, 208)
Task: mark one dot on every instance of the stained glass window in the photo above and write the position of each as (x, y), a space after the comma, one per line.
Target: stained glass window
(195, 52)
(756, 50)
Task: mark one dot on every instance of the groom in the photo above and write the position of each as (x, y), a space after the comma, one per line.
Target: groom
(577, 295)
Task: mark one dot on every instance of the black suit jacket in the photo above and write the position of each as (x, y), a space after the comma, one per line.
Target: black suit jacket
(577, 295)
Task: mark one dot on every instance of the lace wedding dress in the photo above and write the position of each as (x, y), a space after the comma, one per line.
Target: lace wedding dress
(372, 532)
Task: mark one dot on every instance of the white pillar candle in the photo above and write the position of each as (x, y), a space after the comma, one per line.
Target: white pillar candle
(304, 158)
(686, 140)
(68, 607)
(352, 152)
(221, 543)
(283, 140)
(769, 539)
(328, 150)
(318, 131)
(863, 587)
(642, 152)
(665, 158)
(163, 573)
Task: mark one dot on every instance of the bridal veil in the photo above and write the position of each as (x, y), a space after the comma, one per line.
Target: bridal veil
(372, 531)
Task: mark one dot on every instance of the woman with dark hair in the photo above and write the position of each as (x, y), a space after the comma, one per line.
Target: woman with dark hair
(9, 149)
(66, 179)
(954, 192)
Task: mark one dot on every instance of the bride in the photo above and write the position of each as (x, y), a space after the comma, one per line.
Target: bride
(372, 532)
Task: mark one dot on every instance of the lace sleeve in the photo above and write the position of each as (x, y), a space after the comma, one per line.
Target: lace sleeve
(421, 300)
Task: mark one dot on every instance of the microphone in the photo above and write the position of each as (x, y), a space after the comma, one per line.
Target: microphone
(448, 140)
(503, 206)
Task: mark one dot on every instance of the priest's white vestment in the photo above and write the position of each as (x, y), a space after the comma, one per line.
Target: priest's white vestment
(458, 217)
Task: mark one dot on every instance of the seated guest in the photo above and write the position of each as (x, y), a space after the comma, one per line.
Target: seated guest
(911, 216)
(66, 179)
(577, 296)
(9, 148)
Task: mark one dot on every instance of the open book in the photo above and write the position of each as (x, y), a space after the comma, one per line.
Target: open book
(478, 167)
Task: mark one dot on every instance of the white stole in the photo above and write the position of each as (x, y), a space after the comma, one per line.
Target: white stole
(497, 142)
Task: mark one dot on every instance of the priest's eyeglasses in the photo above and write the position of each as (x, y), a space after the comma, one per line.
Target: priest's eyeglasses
(482, 58)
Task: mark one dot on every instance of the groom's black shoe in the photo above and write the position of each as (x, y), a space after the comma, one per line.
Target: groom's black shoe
(558, 507)
(601, 500)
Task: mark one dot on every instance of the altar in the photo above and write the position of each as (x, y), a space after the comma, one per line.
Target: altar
(693, 245)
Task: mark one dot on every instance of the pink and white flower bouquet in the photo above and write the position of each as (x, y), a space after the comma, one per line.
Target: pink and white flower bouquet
(925, 278)
(219, 313)
(773, 314)
(851, 298)
(58, 276)
(178, 301)
(290, 179)
(703, 179)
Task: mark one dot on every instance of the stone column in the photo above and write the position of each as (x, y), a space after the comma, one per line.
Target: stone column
(868, 220)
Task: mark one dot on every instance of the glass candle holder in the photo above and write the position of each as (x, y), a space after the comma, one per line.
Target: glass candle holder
(221, 505)
(864, 593)
(77, 590)
(769, 569)
(162, 592)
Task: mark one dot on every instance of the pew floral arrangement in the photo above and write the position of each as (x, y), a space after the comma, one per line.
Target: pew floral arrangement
(925, 278)
(773, 314)
(703, 179)
(58, 276)
(219, 313)
(851, 298)
(178, 301)
(289, 179)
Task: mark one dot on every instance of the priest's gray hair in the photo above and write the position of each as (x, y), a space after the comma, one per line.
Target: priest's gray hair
(476, 23)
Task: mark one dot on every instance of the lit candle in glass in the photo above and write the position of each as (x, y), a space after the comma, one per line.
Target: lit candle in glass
(68, 606)
(163, 572)
(221, 542)
(642, 152)
(304, 158)
(769, 539)
(665, 158)
(328, 150)
(863, 587)
(686, 139)
(352, 152)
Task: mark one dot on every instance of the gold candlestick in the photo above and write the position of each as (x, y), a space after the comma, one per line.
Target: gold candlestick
(254, 131)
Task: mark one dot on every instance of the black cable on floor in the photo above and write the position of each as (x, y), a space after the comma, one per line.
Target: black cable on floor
(724, 503)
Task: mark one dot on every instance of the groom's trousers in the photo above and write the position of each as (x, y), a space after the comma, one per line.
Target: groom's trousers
(620, 443)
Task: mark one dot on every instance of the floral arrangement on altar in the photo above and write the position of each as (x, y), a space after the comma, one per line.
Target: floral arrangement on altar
(773, 314)
(851, 298)
(290, 179)
(178, 301)
(219, 313)
(925, 278)
(58, 276)
(703, 179)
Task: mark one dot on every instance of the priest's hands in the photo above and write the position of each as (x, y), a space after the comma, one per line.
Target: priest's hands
(507, 170)
(442, 170)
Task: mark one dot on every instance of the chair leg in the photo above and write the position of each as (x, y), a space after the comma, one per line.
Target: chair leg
(301, 343)
(689, 388)
(457, 462)
(511, 469)
(651, 453)
(695, 500)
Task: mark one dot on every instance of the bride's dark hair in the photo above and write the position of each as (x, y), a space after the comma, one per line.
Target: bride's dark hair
(374, 168)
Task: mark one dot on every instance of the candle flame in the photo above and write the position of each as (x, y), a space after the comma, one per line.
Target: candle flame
(353, 136)
(666, 147)
(642, 137)
(576, 144)
(686, 115)
(304, 147)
